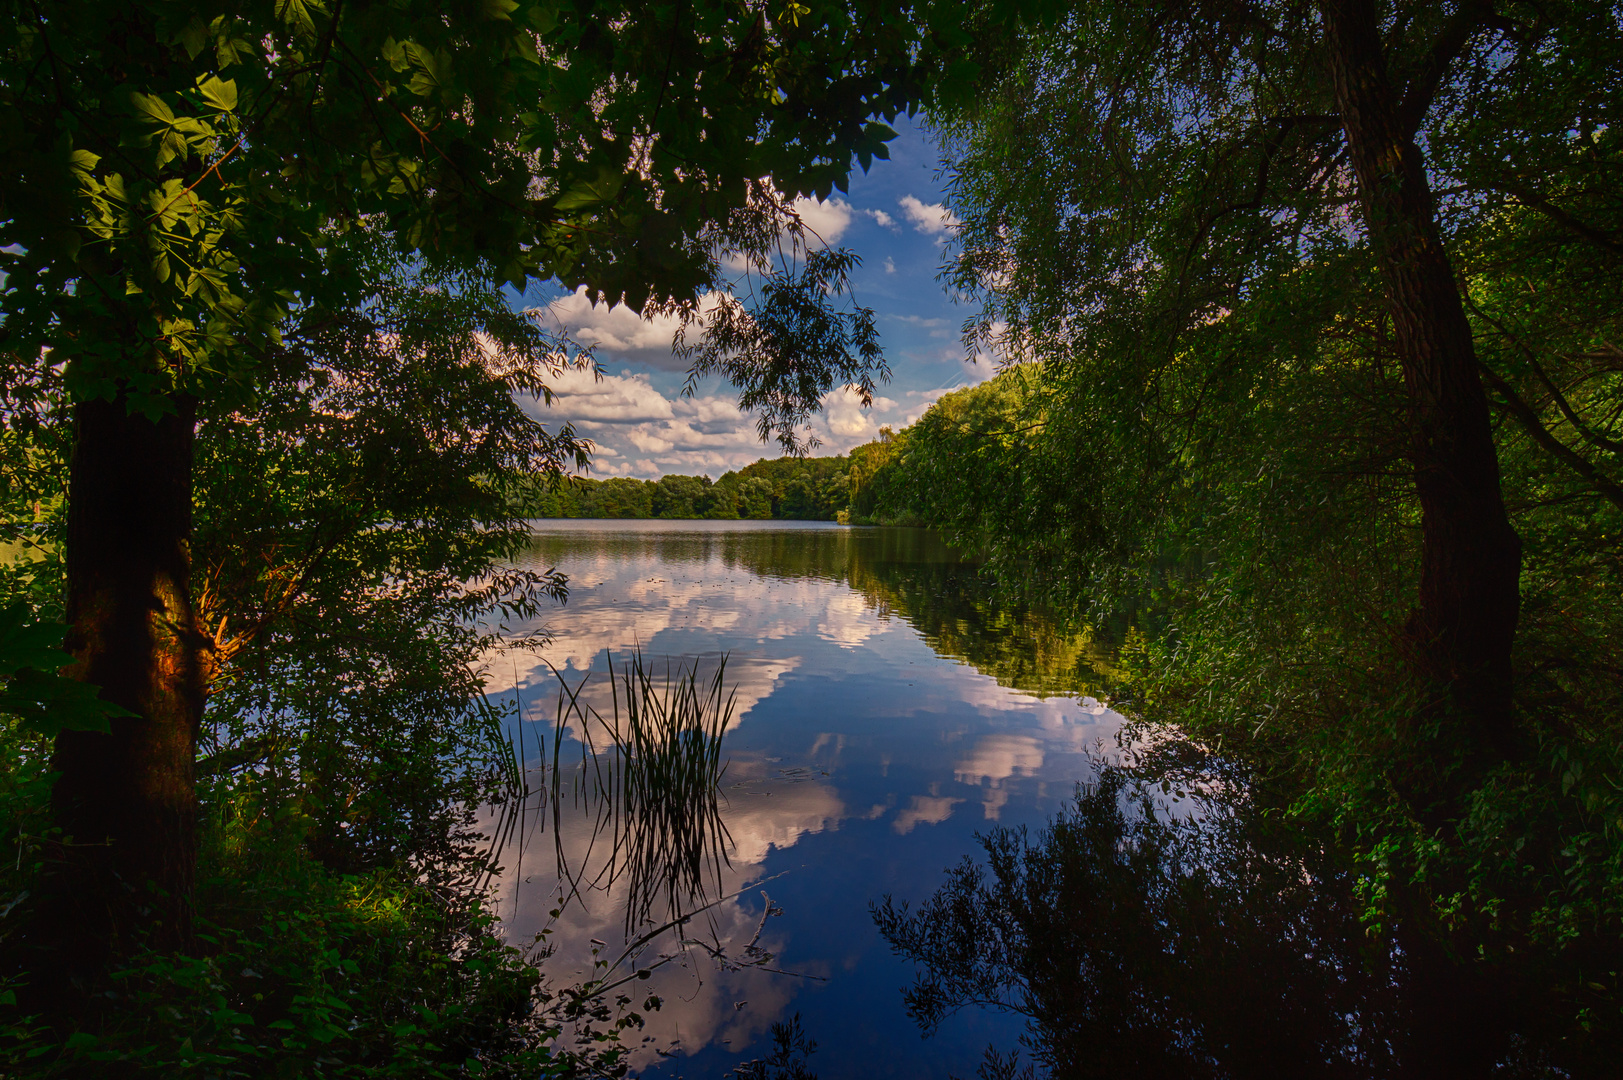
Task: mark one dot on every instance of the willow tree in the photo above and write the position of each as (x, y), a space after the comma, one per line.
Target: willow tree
(172, 176)
(1181, 206)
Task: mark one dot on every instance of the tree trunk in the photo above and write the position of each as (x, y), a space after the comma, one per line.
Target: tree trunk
(1471, 557)
(125, 801)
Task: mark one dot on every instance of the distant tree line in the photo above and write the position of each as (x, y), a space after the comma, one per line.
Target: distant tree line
(789, 488)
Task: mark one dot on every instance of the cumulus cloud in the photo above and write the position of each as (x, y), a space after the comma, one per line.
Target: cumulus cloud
(615, 330)
(846, 419)
(827, 221)
(618, 399)
(932, 219)
(618, 333)
(890, 265)
(640, 431)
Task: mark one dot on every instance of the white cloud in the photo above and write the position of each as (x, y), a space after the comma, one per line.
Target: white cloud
(932, 219)
(640, 431)
(921, 321)
(845, 419)
(826, 221)
(617, 331)
(1000, 756)
(890, 265)
(616, 399)
(829, 220)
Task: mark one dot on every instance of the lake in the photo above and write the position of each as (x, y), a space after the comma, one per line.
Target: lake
(887, 707)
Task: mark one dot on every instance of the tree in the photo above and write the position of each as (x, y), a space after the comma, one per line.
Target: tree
(1155, 201)
(175, 180)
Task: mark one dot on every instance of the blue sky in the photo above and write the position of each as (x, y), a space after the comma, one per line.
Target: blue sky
(893, 218)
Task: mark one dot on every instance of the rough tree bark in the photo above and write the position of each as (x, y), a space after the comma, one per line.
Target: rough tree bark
(1471, 557)
(125, 801)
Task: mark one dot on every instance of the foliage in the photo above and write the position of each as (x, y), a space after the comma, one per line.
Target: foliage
(788, 488)
(788, 350)
(1167, 924)
(179, 171)
(33, 692)
(1203, 427)
(354, 522)
(791, 1050)
(353, 518)
(303, 972)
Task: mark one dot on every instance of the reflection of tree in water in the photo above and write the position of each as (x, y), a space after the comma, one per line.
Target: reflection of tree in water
(908, 573)
(1214, 941)
(912, 574)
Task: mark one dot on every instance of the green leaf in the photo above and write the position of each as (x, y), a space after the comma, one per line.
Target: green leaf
(298, 15)
(45, 702)
(394, 55)
(433, 69)
(194, 37)
(28, 644)
(152, 107)
(83, 161)
(219, 93)
(605, 187)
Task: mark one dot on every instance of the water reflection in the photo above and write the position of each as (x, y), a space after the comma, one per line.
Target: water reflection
(886, 709)
(1168, 924)
(1144, 936)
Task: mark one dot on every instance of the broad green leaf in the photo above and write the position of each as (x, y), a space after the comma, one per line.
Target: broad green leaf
(605, 187)
(83, 161)
(219, 93)
(394, 55)
(298, 14)
(25, 643)
(152, 107)
(433, 69)
(194, 37)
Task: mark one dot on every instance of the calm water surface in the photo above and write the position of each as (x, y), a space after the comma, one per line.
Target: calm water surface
(887, 709)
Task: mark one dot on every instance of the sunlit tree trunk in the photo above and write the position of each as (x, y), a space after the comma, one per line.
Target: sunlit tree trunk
(125, 801)
(1471, 562)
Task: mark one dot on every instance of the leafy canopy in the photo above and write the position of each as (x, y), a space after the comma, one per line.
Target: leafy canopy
(172, 175)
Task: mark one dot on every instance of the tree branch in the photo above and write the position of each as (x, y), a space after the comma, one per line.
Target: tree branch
(1541, 203)
(1527, 417)
(1469, 17)
(1561, 402)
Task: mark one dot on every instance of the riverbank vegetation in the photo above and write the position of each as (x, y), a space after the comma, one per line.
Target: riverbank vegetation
(1353, 479)
(262, 447)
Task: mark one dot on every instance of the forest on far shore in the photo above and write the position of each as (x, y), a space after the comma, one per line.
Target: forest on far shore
(788, 488)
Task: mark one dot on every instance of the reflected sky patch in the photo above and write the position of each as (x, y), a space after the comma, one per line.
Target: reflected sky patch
(886, 709)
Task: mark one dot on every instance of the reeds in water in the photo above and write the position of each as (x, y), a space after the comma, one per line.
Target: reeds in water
(650, 775)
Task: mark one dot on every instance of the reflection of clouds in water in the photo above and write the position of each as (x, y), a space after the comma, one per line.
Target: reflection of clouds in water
(993, 801)
(1000, 756)
(762, 815)
(748, 680)
(924, 810)
(955, 736)
(763, 820)
(847, 621)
